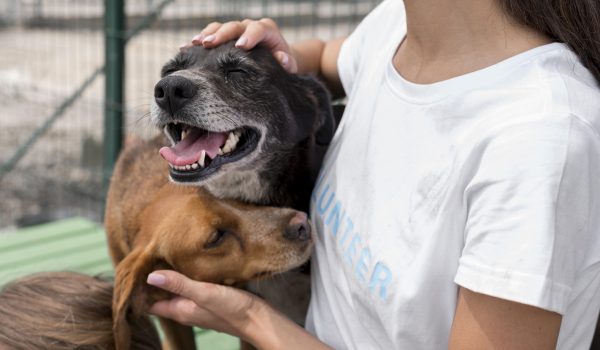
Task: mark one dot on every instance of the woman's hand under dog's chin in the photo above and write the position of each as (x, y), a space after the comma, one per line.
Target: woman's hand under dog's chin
(229, 310)
(203, 304)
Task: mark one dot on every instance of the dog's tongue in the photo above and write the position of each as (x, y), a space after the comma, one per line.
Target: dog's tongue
(188, 150)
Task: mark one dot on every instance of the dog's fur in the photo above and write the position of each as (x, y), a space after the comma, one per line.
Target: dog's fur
(292, 115)
(249, 89)
(153, 224)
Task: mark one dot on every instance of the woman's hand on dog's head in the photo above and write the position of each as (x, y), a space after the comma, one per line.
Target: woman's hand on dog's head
(249, 33)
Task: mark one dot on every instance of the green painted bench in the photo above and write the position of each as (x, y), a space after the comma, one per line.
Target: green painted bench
(73, 245)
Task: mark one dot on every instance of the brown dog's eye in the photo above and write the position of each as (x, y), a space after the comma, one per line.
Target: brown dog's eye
(215, 239)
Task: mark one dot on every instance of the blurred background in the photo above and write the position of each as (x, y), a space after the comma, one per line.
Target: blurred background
(64, 109)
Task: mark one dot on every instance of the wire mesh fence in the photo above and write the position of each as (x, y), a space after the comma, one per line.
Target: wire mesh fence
(48, 48)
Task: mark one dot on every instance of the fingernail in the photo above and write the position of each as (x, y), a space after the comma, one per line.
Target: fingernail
(156, 279)
(197, 39)
(241, 41)
(209, 39)
(285, 59)
(184, 46)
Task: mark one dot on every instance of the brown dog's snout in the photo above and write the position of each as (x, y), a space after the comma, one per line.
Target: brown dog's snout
(298, 228)
(173, 92)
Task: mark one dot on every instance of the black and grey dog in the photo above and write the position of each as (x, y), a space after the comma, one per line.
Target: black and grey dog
(244, 128)
(264, 130)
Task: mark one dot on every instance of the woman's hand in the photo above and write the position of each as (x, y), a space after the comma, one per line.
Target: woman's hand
(205, 305)
(249, 33)
(306, 57)
(228, 310)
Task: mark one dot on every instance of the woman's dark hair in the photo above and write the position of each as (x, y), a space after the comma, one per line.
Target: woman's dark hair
(573, 22)
(64, 310)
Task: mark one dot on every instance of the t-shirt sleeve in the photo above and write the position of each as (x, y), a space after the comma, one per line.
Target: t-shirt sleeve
(532, 220)
(358, 45)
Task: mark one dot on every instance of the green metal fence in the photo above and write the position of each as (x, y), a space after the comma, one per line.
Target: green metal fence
(54, 92)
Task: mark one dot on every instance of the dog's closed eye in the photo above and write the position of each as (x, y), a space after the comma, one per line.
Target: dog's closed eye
(233, 66)
(182, 61)
(235, 72)
(170, 68)
(216, 239)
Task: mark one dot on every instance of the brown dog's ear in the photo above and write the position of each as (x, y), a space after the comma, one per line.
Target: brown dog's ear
(130, 292)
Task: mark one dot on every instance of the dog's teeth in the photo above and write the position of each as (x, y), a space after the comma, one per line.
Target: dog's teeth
(202, 157)
(188, 167)
(183, 134)
(238, 133)
(220, 152)
(195, 166)
(228, 147)
(233, 138)
(231, 142)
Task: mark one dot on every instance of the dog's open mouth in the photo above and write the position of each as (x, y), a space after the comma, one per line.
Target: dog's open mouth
(197, 153)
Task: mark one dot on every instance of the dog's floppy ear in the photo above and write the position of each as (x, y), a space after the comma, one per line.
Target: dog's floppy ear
(130, 292)
(310, 102)
(328, 123)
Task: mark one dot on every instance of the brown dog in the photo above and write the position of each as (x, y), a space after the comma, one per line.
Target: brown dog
(153, 224)
(246, 129)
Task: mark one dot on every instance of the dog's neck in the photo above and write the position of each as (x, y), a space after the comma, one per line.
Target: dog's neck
(247, 186)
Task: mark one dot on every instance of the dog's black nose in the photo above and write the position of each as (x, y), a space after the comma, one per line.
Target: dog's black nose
(298, 228)
(173, 92)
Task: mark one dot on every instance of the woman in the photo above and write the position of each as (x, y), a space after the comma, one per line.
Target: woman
(458, 204)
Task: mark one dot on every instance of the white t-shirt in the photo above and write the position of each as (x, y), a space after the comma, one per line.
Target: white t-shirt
(489, 181)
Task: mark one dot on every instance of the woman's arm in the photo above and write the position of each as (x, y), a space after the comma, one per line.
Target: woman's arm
(320, 57)
(229, 310)
(484, 322)
(310, 56)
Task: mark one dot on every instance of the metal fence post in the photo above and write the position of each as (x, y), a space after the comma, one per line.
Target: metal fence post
(114, 29)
